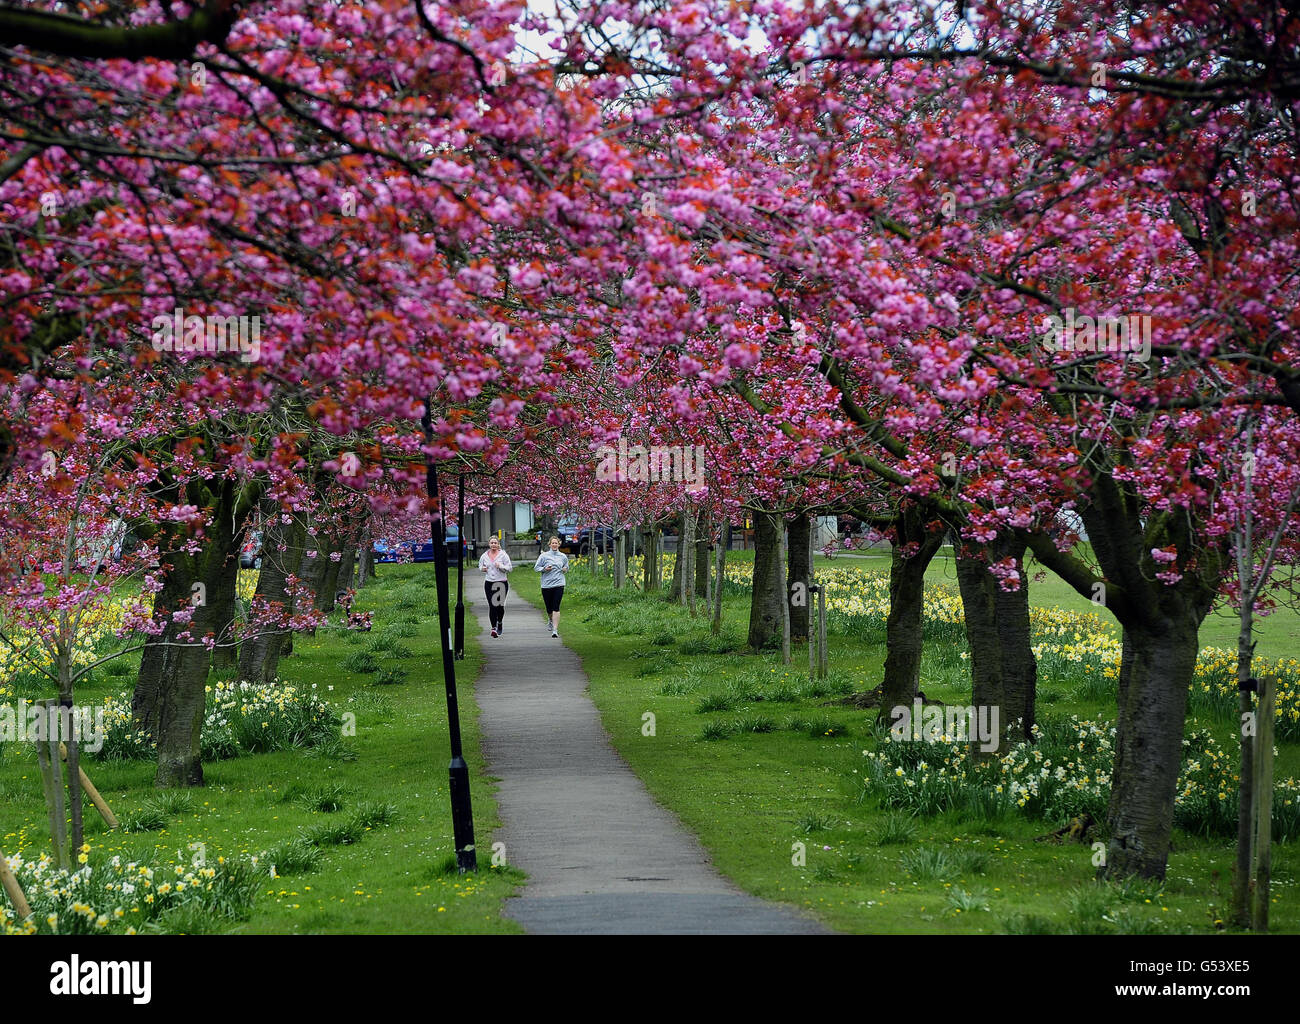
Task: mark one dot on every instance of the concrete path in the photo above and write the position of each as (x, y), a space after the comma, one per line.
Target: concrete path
(602, 857)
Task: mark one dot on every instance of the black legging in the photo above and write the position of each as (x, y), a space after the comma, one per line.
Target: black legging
(552, 596)
(496, 599)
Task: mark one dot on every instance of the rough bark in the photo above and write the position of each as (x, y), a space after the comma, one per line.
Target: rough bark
(688, 571)
(1160, 623)
(175, 595)
(224, 612)
(904, 626)
(723, 540)
(650, 570)
(766, 599)
(979, 610)
(679, 563)
(799, 574)
(259, 655)
(172, 708)
(313, 573)
(347, 568)
(365, 563)
(1155, 675)
(1019, 666)
(327, 584)
(701, 557)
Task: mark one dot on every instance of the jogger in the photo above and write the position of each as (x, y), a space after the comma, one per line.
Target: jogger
(553, 564)
(496, 563)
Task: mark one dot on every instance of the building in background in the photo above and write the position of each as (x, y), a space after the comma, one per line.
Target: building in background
(504, 518)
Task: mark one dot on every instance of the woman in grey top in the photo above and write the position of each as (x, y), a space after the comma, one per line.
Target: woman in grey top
(553, 565)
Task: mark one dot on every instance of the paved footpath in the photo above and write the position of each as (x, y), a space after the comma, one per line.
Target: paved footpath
(602, 857)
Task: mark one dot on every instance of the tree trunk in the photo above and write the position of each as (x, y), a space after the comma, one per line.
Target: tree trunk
(904, 627)
(313, 572)
(226, 653)
(259, 655)
(783, 543)
(1155, 676)
(675, 584)
(724, 538)
(329, 580)
(700, 557)
(799, 573)
(173, 708)
(1019, 666)
(365, 563)
(979, 610)
(308, 571)
(1241, 880)
(347, 567)
(766, 599)
(1160, 623)
(174, 596)
(649, 568)
(688, 569)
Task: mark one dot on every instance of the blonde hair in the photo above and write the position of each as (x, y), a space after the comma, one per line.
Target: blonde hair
(552, 537)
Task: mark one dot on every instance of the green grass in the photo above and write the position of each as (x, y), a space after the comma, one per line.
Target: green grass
(384, 791)
(753, 758)
(751, 796)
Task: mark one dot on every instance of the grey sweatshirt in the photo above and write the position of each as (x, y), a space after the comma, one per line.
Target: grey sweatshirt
(551, 565)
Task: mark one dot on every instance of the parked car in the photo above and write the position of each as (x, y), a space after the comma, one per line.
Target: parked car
(575, 540)
(250, 555)
(422, 551)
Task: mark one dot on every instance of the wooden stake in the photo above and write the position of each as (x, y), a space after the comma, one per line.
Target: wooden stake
(784, 542)
(1264, 800)
(52, 783)
(688, 577)
(724, 535)
(13, 890)
(110, 819)
(823, 657)
(812, 632)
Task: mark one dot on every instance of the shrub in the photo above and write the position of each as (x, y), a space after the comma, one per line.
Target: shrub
(325, 797)
(292, 857)
(817, 823)
(962, 901)
(896, 830)
(1028, 924)
(149, 818)
(361, 662)
(715, 702)
(336, 833)
(928, 864)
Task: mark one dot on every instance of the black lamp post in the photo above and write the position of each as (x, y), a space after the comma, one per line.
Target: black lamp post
(462, 814)
(460, 569)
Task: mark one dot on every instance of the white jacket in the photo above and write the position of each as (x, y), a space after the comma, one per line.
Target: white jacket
(496, 571)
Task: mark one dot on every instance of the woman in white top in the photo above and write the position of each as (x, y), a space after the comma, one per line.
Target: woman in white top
(496, 563)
